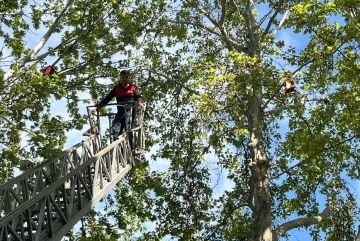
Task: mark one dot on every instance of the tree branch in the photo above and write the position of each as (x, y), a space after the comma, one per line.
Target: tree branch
(300, 222)
(169, 79)
(58, 47)
(220, 25)
(358, 234)
(223, 12)
(198, 24)
(287, 12)
(245, 112)
(352, 13)
(284, 107)
(224, 219)
(32, 55)
(318, 152)
(236, 7)
(252, 27)
(202, 11)
(296, 71)
(280, 3)
(280, 85)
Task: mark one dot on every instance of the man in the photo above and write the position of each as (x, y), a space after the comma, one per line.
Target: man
(124, 92)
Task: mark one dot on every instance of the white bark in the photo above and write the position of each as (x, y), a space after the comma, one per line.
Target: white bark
(299, 223)
(281, 22)
(32, 55)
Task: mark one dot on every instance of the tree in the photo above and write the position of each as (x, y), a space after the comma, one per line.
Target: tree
(220, 71)
(212, 74)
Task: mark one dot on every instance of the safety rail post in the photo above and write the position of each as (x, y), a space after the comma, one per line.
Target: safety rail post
(129, 108)
(138, 134)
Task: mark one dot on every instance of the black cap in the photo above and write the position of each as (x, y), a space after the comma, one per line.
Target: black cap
(127, 72)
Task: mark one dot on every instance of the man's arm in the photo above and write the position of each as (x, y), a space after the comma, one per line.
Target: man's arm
(137, 96)
(106, 99)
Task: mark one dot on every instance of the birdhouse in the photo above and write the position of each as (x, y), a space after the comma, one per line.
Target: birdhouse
(289, 85)
(49, 70)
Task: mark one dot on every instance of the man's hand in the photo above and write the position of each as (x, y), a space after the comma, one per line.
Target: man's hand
(93, 110)
(139, 104)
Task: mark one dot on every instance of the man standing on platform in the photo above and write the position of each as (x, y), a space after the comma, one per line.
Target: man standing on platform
(123, 92)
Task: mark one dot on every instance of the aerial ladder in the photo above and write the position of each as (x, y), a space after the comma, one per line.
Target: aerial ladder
(44, 203)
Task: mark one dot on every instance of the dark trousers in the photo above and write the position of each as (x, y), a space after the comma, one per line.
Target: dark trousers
(122, 119)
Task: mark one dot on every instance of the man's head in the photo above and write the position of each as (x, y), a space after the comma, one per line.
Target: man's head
(124, 77)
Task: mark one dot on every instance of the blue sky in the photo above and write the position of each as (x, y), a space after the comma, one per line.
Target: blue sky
(75, 136)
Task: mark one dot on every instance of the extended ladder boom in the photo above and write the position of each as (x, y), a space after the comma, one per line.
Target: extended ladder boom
(46, 202)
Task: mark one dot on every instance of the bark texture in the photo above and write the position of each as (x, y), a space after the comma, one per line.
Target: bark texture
(260, 166)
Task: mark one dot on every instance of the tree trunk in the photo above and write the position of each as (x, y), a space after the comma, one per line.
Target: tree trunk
(260, 166)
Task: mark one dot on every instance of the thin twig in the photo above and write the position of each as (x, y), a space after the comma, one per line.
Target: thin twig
(169, 79)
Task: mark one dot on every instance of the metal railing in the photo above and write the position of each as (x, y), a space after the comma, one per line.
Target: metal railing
(47, 201)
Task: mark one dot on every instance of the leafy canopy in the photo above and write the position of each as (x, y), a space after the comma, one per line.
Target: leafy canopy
(211, 74)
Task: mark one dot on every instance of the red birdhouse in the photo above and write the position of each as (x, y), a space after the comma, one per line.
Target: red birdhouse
(289, 85)
(49, 70)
